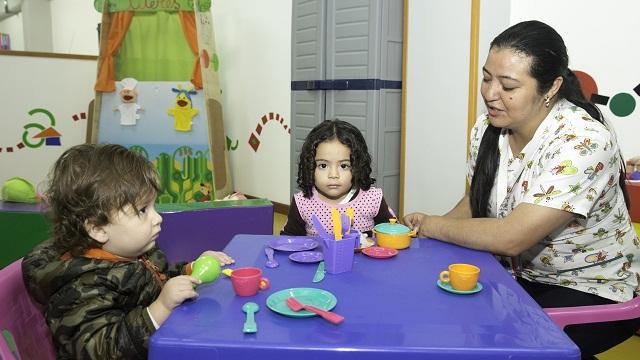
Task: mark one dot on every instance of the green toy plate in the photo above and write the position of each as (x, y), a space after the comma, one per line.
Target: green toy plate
(319, 298)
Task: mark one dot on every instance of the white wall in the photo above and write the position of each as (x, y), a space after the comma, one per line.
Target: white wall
(36, 20)
(60, 26)
(494, 18)
(13, 26)
(253, 40)
(63, 87)
(436, 104)
(73, 27)
(602, 40)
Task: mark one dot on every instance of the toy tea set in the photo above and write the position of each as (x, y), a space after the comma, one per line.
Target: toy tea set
(337, 257)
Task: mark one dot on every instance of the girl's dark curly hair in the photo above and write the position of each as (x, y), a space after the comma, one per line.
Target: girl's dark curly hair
(348, 135)
(88, 183)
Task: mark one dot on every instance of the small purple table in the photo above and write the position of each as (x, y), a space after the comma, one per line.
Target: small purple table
(393, 310)
(190, 229)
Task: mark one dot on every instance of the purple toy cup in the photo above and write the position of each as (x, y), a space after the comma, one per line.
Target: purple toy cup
(338, 254)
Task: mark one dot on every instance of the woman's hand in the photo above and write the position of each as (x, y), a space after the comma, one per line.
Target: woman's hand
(415, 221)
(222, 258)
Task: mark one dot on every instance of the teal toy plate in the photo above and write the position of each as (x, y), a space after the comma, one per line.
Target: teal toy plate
(447, 287)
(319, 298)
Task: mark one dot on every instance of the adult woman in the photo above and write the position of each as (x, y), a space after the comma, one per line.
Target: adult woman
(546, 188)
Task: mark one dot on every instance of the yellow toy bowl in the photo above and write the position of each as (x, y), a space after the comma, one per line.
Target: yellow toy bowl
(393, 235)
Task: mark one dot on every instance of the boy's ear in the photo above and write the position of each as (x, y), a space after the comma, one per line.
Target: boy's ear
(96, 232)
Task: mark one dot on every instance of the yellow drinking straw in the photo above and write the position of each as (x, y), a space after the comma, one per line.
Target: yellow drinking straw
(337, 224)
(350, 213)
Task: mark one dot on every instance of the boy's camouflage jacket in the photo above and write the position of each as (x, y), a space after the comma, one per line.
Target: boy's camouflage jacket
(96, 309)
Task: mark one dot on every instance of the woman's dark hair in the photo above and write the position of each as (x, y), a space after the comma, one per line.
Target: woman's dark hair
(349, 136)
(549, 59)
(88, 183)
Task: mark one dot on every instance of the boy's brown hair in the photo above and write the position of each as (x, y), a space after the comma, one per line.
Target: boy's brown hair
(88, 183)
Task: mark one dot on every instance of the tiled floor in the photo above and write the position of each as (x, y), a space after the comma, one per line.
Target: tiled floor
(623, 351)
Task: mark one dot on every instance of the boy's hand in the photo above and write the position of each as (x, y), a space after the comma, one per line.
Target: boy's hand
(178, 289)
(175, 291)
(222, 258)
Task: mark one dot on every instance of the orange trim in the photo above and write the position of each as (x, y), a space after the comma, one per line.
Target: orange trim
(403, 108)
(188, 21)
(473, 66)
(473, 73)
(96, 253)
(154, 270)
(106, 75)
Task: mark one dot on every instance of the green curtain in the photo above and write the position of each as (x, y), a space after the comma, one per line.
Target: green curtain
(155, 49)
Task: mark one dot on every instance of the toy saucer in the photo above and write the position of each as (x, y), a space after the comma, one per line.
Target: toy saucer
(293, 243)
(364, 243)
(379, 252)
(447, 287)
(306, 256)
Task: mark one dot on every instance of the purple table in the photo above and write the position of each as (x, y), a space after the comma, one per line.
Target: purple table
(190, 229)
(393, 310)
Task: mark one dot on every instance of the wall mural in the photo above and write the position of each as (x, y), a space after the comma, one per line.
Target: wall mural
(254, 140)
(185, 172)
(43, 132)
(169, 106)
(170, 132)
(621, 104)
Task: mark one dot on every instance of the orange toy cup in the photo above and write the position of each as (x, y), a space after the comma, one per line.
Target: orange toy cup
(247, 281)
(463, 277)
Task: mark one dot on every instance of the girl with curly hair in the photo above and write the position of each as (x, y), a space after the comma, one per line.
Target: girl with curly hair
(334, 171)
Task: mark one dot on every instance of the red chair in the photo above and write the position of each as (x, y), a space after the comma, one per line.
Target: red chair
(24, 332)
(596, 313)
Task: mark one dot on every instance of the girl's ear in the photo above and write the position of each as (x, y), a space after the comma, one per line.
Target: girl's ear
(96, 232)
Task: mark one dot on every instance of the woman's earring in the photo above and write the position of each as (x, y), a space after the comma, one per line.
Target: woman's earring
(547, 101)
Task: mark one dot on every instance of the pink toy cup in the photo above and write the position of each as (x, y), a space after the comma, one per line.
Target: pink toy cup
(247, 281)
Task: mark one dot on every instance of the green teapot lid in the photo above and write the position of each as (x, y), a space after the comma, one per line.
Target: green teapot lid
(392, 227)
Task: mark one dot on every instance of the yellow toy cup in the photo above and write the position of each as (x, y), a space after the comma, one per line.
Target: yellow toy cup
(463, 277)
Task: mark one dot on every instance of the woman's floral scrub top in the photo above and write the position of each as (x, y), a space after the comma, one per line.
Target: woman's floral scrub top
(571, 163)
